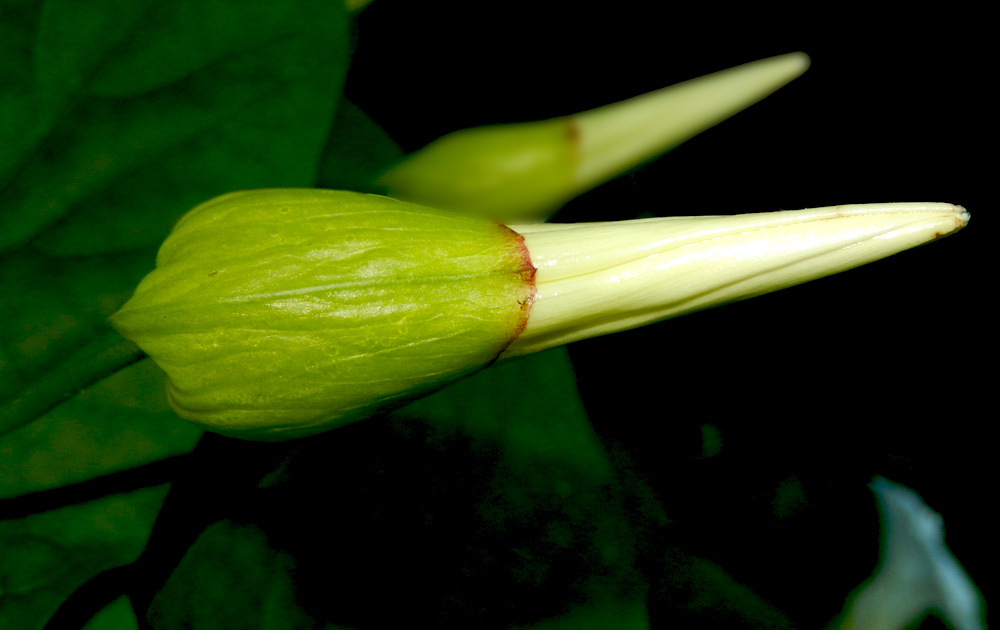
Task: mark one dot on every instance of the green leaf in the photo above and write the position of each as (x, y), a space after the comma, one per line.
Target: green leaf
(122, 423)
(57, 328)
(119, 116)
(600, 615)
(230, 578)
(357, 152)
(47, 556)
(118, 615)
(102, 442)
(530, 405)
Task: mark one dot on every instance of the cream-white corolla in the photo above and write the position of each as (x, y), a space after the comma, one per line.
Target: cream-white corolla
(598, 278)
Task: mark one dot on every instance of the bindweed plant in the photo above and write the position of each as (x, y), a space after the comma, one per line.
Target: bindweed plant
(264, 367)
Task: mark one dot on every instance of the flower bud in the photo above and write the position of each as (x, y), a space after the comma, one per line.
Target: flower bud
(279, 313)
(525, 171)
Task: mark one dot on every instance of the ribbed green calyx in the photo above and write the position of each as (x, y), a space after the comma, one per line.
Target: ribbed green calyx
(280, 313)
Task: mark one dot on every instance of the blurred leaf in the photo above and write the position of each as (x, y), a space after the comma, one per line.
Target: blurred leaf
(118, 615)
(552, 518)
(700, 593)
(601, 615)
(118, 117)
(56, 537)
(530, 405)
(229, 579)
(47, 556)
(357, 152)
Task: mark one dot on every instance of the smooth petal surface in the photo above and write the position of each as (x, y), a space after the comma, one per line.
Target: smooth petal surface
(598, 278)
(617, 137)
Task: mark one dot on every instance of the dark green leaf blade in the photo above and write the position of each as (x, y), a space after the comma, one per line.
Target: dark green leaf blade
(49, 555)
(119, 119)
(106, 442)
(118, 615)
(197, 99)
(122, 423)
(57, 326)
(531, 404)
(357, 152)
(230, 578)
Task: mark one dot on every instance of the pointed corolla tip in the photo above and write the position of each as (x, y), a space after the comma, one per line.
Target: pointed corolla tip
(944, 218)
(621, 135)
(962, 216)
(798, 62)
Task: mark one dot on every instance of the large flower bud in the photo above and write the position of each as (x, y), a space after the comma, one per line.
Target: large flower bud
(279, 313)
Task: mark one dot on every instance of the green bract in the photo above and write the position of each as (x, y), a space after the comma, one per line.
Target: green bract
(279, 313)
